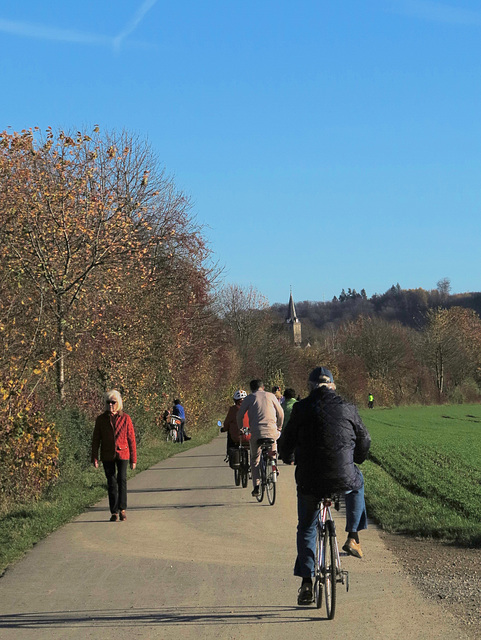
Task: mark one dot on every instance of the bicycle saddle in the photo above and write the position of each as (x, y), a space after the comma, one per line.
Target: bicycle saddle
(262, 441)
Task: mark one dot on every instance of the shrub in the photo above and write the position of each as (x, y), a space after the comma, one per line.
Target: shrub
(29, 451)
(466, 392)
(75, 436)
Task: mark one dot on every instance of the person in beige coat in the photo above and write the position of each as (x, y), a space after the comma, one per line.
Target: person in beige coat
(265, 421)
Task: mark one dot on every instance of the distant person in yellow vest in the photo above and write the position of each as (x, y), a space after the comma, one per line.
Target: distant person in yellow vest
(370, 401)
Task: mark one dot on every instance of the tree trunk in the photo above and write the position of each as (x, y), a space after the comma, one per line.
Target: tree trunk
(60, 352)
(440, 371)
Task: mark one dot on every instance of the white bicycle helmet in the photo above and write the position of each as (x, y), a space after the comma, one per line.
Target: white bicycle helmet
(240, 394)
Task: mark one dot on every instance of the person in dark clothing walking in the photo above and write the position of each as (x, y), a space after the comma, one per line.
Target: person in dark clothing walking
(327, 437)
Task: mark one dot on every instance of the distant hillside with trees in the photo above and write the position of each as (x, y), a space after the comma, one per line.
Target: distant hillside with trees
(406, 306)
(404, 346)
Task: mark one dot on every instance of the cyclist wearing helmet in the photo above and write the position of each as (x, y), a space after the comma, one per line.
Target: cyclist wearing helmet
(234, 436)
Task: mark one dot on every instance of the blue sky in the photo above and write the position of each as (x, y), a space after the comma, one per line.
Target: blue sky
(324, 144)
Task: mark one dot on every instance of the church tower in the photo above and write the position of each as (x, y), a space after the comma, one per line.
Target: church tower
(293, 323)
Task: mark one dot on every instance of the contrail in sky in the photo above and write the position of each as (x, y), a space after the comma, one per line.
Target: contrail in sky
(43, 32)
(133, 24)
(438, 12)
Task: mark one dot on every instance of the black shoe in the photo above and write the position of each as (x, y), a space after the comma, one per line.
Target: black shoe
(305, 594)
(255, 492)
(187, 437)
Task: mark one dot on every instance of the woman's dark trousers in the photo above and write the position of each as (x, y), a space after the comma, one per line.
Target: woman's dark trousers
(116, 474)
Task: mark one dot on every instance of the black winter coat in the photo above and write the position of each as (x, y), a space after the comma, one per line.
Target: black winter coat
(328, 438)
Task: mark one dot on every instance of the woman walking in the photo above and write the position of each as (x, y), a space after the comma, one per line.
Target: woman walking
(114, 434)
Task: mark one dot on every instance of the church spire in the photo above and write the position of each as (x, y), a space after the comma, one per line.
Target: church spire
(293, 322)
(291, 312)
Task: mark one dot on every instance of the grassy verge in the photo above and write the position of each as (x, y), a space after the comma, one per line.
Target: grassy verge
(24, 525)
(423, 477)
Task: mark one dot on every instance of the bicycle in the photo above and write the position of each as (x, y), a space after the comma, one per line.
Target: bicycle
(174, 427)
(238, 457)
(267, 470)
(328, 570)
(241, 475)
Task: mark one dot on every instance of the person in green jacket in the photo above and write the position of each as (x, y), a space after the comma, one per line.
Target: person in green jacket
(289, 402)
(370, 401)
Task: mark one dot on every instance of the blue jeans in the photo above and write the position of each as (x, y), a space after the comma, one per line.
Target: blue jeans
(181, 432)
(308, 511)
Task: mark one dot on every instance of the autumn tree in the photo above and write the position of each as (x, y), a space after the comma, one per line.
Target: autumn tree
(105, 274)
(453, 345)
(444, 288)
(384, 351)
(79, 213)
(244, 311)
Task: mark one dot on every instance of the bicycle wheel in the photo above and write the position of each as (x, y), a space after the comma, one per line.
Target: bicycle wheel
(244, 477)
(318, 569)
(262, 485)
(237, 477)
(271, 483)
(244, 470)
(330, 569)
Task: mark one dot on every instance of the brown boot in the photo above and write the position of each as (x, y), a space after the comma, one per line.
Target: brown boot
(352, 548)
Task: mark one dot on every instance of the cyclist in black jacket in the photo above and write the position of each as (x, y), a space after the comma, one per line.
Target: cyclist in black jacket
(328, 437)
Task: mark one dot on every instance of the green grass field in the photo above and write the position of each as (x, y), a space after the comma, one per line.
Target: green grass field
(424, 472)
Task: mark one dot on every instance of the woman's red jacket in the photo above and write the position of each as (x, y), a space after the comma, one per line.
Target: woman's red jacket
(116, 437)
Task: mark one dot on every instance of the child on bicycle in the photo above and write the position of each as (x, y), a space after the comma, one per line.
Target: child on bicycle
(234, 434)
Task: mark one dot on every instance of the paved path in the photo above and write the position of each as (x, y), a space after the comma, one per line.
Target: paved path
(200, 558)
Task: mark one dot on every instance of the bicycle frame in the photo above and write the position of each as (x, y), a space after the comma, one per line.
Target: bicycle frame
(328, 561)
(267, 471)
(325, 515)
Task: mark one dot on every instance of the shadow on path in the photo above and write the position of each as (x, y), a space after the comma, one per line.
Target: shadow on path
(163, 617)
(169, 489)
(165, 507)
(186, 468)
(204, 455)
